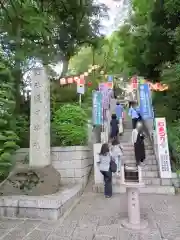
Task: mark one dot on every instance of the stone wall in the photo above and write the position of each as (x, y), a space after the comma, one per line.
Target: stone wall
(74, 163)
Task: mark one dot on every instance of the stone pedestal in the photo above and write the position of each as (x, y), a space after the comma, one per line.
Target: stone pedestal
(134, 220)
(40, 119)
(98, 177)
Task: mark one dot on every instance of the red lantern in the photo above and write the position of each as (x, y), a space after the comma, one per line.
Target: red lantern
(89, 84)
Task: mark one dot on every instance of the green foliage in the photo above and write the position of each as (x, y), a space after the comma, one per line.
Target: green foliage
(174, 143)
(70, 125)
(8, 138)
(22, 130)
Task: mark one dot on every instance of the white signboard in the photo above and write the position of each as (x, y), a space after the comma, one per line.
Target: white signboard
(80, 88)
(163, 148)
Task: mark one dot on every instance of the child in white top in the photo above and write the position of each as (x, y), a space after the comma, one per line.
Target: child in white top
(116, 153)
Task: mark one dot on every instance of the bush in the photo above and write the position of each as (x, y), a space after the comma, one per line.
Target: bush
(70, 125)
(174, 143)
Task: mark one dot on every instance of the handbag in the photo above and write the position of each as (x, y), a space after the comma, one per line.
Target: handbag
(113, 166)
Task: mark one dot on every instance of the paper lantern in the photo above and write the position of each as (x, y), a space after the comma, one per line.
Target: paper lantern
(89, 84)
(101, 72)
(90, 71)
(86, 74)
(70, 80)
(62, 81)
(76, 79)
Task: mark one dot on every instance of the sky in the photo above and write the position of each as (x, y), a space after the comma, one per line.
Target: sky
(117, 12)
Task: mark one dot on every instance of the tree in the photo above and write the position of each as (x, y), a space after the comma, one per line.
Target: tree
(8, 138)
(47, 30)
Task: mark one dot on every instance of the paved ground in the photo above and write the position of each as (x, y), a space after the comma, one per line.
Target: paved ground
(97, 218)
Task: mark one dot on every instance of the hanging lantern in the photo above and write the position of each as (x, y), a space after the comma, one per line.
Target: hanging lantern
(89, 84)
(62, 81)
(76, 79)
(86, 74)
(90, 71)
(101, 72)
(81, 80)
(70, 80)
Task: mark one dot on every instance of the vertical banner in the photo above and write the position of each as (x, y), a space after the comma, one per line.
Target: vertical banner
(134, 82)
(103, 88)
(145, 101)
(162, 148)
(97, 108)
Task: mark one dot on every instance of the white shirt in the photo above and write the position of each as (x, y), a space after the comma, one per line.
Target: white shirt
(134, 136)
(116, 151)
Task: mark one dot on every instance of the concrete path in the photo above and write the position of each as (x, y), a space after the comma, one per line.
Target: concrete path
(97, 218)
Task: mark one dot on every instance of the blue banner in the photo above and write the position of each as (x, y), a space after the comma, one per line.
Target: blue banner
(97, 108)
(145, 101)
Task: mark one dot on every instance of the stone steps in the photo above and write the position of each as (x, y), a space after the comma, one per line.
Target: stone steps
(131, 153)
(129, 146)
(150, 167)
(148, 161)
(148, 189)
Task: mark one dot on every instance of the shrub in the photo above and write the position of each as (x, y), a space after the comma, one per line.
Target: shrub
(8, 138)
(22, 130)
(174, 143)
(70, 125)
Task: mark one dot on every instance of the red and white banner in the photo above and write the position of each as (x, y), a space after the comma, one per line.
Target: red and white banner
(134, 82)
(163, 148)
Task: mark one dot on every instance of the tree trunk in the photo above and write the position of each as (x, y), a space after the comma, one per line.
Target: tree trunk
(65, 61)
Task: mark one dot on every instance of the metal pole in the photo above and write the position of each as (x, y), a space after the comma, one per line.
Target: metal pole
(80, 100)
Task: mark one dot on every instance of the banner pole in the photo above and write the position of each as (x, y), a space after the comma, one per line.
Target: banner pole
(80, 100)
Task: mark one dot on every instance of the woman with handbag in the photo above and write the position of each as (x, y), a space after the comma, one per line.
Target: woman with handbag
(106, 166)
(117, 152)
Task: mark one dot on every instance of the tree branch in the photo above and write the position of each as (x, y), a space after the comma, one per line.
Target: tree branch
(6, 11)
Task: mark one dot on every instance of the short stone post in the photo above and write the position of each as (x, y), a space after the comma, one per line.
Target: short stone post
(133, 206)
(132, 187)
(40, 119)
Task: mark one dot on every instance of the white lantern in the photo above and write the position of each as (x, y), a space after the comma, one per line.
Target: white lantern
(62, 81)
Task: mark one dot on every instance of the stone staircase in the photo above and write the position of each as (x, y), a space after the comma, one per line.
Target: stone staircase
(150, 172)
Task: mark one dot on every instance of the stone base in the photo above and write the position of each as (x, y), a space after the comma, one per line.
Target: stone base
(49, 207)
(126, 224)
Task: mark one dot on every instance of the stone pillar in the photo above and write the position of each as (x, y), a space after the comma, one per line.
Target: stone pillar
(133, 206)
(134, 220)
(40, 119)
(98, 177)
